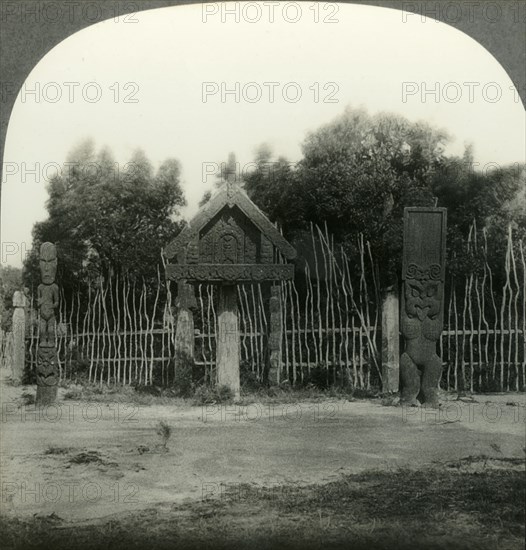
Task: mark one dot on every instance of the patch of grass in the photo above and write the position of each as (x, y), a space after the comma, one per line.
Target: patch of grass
(431, 509)
(484, 459)
(210, 395)
(91, 457)
(164, 431)
(75, 394)
(86, 457)
(28, 398)
(58, 450)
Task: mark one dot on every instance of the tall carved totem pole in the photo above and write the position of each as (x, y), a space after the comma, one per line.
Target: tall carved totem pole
(46, 372)
(422, 318)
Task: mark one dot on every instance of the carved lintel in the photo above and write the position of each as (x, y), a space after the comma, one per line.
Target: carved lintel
(215, 273)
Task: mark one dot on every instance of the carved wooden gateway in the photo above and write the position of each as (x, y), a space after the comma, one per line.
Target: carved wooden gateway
(229, 241)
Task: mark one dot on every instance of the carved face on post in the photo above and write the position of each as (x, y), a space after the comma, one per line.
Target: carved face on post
(48, 263)
(422, 298)
(423, 291)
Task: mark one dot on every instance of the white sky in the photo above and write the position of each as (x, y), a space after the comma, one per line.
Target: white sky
(168, 53)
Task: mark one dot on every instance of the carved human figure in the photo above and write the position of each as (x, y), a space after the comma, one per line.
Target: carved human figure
(422, 321)
(46, 371)
(47, 293)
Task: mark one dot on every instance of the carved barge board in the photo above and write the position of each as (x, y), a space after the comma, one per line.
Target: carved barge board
(229, 196)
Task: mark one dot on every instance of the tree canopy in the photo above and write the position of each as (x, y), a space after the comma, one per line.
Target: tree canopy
(107, 218)
(358, 173)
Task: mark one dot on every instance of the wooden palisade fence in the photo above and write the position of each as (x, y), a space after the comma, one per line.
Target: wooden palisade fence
(120, 332)
(484, 342)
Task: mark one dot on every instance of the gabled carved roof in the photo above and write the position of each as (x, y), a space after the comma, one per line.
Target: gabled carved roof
(229, 194)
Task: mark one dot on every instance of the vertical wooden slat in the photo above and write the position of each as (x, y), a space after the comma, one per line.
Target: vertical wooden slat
(203, 330)
(285, 329)
(152, 325)
(495, 313)
(117, 331)
(125, 359)
(479, 330)
(471, 328)
(293, 333)
(294, 291)
(455, 312)
(483, 312)
(310, 298)
(250, 327)
(243, 322)
(90, 327)
(259, 333)
(449, 328)
(105, 332)
(213, 337)
(264, 327)
(111, 333)
(516, 311)
(344, 290)
(306, 320)
(77, 320)
(464, 331)
(327, 300)
(258, 330)
(142, 306)
(100, 320)
(523, 263)
(318, 297)
(135, 329)
(333, 318)
(70, 332)
(502, 323)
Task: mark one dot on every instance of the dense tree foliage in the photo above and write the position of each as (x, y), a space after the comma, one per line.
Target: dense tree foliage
(481, 205)
(359, 172)
(356, 175)
(106, 218)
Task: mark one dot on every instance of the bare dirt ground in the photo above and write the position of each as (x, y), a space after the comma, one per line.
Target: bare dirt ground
(79, 463)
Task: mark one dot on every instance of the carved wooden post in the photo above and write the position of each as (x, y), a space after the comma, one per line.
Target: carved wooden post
(423, 273)
(228, 340)
(390, 341)
(19, 336)
(184, 332)
(274, 372)
(46, 371)
(8, 351)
